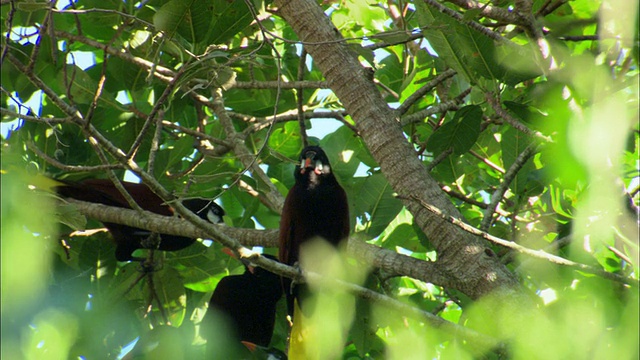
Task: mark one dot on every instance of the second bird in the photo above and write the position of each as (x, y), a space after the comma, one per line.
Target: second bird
(128, 239)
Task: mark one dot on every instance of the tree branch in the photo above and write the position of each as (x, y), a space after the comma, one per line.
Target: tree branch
(495, 104)
(489, 11)
(389, 261)
(511, 174)
(538, 254)
(418, 94)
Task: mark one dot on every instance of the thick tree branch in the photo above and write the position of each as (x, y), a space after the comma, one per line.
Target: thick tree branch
(387, 260)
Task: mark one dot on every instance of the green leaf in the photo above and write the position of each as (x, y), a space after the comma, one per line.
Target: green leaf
(460, 133)
(199, 266)
(99, 24)
(391, 73)
(122, 76)
(97, 251)
(69, 215)
(171, 293)
(180, 150)
(228, 18)
(473, 54)
(83, 87)
(342, 148)
(286, 139)
(513, 143)
(375, 198)
(190, 19)
(401, 232)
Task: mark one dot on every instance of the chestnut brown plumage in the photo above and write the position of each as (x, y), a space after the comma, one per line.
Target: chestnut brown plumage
(316, 206)
(127, 238)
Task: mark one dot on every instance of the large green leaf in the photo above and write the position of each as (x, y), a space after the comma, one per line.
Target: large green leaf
(401, 233)
(82, 87)
(513, 144)
(460, 133)
(286, 139)
(170, 291)
(342, 148)
(199, 266)
(190, 19)
(98, 24)
(376, 204)
(228, 18)
(473, 54)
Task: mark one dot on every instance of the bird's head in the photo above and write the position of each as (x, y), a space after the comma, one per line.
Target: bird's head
(313, 160)
(206, 209)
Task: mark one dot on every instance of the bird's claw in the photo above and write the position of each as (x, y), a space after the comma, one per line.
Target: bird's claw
(295, 280)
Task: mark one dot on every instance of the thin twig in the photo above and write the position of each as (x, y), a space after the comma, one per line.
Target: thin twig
(511, 174)
(45, 120)
(418, 94)
(300, 98)
(289, 85)
(477, 203)
(98, 92)
(36, 47)
(154, 112)
(70, 168)
(438, 159)
(472, 24)
(487, 161)
(9, 27)
(495, 104)
(155, 143)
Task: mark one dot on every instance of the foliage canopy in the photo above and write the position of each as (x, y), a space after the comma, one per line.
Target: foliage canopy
(518, 117)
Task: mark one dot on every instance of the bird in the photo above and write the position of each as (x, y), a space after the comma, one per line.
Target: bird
(316, 206)
(127, 238)
(247, 302)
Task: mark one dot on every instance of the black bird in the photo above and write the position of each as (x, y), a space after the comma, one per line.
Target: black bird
(127, 238)
(248, 304)
(316, 206)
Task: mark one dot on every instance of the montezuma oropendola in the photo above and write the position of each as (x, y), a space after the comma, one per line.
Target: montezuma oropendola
(127, 238)
(248, 302)
(316, 207)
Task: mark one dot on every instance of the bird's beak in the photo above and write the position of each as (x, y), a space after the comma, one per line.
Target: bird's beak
(307, 163)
